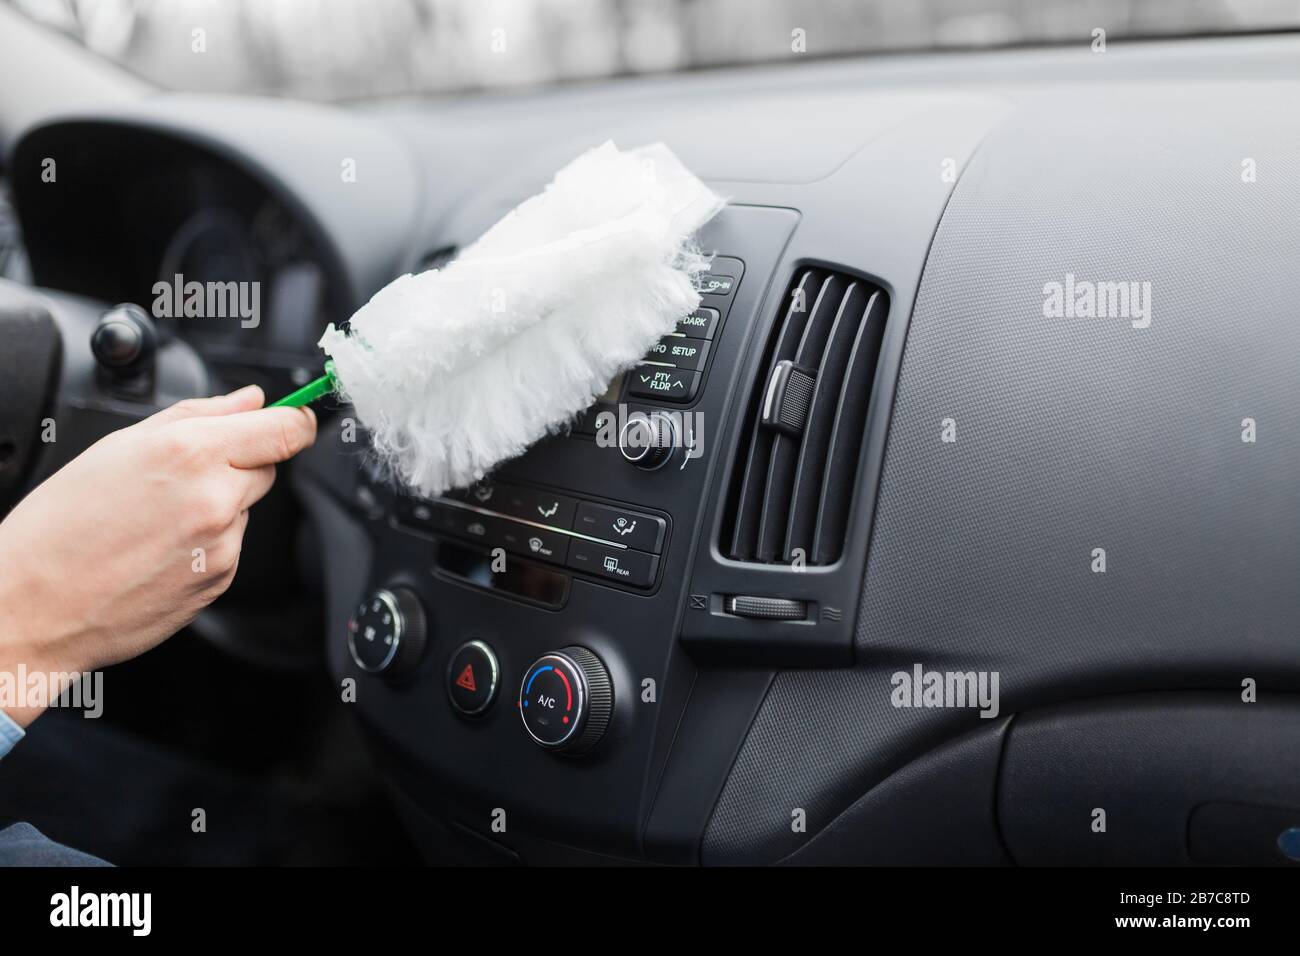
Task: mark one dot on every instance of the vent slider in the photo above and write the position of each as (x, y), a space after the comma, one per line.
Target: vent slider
(766, 608)
(788, 397)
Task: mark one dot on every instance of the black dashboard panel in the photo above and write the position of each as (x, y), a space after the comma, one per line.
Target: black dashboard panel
(597, 800)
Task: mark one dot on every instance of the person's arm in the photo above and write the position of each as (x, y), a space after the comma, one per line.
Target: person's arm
(124, 545)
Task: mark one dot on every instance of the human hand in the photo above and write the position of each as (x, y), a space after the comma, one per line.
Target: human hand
(124, 545)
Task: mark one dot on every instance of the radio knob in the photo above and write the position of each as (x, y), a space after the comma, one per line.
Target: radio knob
(387, 633)
(566, 700)
(648, 441)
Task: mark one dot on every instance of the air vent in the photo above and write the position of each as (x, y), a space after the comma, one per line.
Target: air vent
(797, 469)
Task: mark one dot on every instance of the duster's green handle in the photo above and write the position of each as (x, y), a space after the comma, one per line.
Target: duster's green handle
(309, 392)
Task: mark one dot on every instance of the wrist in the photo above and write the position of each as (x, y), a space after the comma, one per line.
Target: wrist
(28, 649)
(21, 668)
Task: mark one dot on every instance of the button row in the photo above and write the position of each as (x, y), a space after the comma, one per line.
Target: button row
(520, 520)
(672, 370)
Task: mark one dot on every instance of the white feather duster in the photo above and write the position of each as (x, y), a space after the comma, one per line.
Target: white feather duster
(458, 369)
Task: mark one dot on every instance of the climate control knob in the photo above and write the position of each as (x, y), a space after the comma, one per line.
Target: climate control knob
(387, 633)
(648, 441)
(566, 700)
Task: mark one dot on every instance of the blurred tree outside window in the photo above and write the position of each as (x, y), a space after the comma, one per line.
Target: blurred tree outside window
(355, 49)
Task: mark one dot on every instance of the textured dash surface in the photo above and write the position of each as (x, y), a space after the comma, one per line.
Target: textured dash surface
(1072, 434)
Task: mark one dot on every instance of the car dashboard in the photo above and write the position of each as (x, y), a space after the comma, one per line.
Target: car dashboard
(893, 461)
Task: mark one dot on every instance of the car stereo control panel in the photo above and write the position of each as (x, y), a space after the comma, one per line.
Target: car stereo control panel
(516, 645)
(674, 371)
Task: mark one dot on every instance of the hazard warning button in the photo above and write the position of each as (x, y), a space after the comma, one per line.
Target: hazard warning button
(472, 678)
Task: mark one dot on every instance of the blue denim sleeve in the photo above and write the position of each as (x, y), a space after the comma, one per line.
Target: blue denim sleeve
(10, 734)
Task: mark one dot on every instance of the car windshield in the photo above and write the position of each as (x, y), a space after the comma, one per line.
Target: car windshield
(347, 49)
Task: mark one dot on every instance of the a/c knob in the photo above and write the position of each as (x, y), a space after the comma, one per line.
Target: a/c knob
(566, 700)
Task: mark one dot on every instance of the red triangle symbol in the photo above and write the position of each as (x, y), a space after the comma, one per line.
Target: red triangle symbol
(466, 678)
